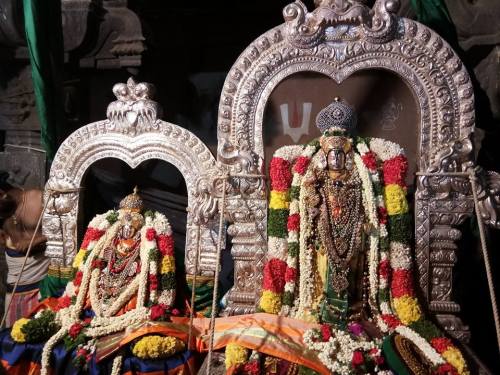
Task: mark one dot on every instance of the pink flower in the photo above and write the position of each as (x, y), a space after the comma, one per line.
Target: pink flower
(176, 312)
(355, 328)
(150, 234)
(357, 358)
(75, 330)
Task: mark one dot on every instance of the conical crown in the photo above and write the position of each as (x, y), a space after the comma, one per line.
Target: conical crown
(132, 202)
(338, 116)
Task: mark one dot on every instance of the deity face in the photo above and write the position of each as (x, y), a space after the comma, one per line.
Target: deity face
(128, 229)
(336, 159)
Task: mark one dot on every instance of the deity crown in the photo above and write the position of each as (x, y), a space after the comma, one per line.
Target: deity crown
(339, 116)
(132, 202)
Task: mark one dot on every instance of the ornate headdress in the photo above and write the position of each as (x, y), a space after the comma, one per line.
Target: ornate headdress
(337, 117)
(132, 202)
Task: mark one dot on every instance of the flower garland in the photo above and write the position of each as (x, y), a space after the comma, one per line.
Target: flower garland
(275, 269)
(236, 355)
(17, 330)
(342, 352)
(395, 267)
(155, 346)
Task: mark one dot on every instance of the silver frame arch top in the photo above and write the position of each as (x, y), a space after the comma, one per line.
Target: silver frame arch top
(132, 133)
(337, 39)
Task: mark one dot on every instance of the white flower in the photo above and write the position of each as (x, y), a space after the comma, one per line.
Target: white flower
(385, 149)
(288, 153)
(400, 256)
(362, 148)
(277, 248)
(432, 355)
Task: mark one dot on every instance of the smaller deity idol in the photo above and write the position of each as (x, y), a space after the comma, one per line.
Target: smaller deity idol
(124, 277)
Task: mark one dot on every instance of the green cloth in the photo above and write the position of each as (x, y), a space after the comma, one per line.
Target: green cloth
(434, 14)
(52, 286)
(42, 23)
(392, 357)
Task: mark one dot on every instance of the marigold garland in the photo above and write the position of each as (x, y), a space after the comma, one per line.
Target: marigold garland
(236, 355)
(270, 302)
(17, 333)
(155, 347)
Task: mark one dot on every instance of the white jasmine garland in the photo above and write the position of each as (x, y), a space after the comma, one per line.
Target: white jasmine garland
(47, 349)
(277, 248)
(400, 256)
(117, 365)
(294, 207)
(362, 148)
(288, 153)
(432, 355)
(336, 354)
(385, 149)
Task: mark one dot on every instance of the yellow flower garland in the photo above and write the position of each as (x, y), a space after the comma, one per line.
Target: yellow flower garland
(395, 199)
(79, 258)
(167, 264)
(454, 357)
(16, 333)
(407, 309)
(235, 355)
(155, 346)
(279, 200)
(270, 302)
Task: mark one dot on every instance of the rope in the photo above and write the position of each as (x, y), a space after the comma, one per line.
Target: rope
(222, 209)
(489, 275)
(25, 258)
(191, 312)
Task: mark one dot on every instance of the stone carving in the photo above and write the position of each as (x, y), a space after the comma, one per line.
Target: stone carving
(337, 39)
(132, 133)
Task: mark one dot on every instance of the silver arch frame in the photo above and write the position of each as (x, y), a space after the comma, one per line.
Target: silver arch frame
(132, 133)
(338, 40)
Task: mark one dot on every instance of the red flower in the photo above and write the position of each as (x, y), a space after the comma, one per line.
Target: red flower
(370, 161)
(377, 358)
(280, 174)
(150, 234)
(391, 320)
(251, 368)
(63, 302)
(395, 170)
(293, 223)
(157, 311)
(78, 278)
(274, 275)
(153, 282)
(92, 234)
(402, 283)
(326, 332)
(98, 263)
(290, 274)
(445, 369)
(384, 269)
(382, 215)
(165, 245)
(441, 344)
(357, 358)
(75, 330)
(82, 352)
(301, 164)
